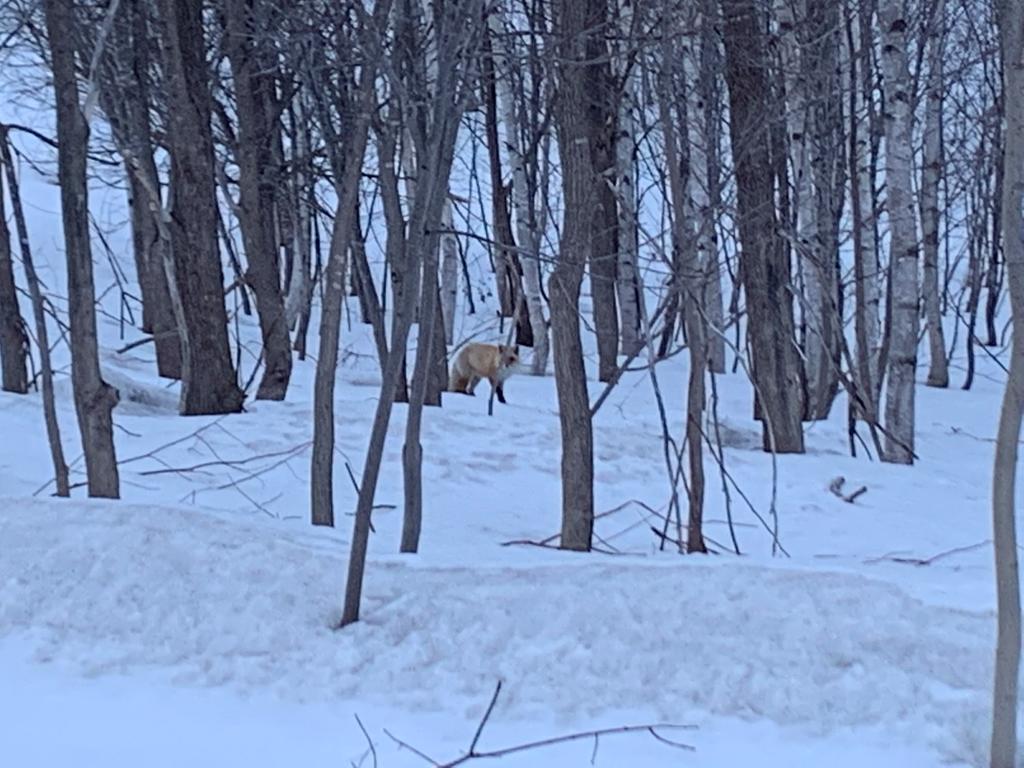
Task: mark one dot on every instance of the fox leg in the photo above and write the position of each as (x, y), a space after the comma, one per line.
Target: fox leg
(498, 386)
(471, 384)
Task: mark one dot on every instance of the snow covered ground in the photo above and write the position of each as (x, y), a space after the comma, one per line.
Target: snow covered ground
(191, 623)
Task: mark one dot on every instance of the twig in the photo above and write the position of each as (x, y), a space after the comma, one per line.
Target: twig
(927, 560)
(472, 754)
(369, 741)
(836, 487)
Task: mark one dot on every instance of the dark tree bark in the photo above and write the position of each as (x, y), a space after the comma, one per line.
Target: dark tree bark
(602, 115)
(764, 257)
(94, 398)
(209, 385)
(257, 179)
(575, 23)
(13, 338)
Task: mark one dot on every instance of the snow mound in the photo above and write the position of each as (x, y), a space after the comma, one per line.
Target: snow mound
(112, 588)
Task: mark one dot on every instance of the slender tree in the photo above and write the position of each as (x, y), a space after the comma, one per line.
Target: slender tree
(931, 171)
(1008, 643)
(902, 362)
(577, 23)
(94, 398)
(13, 338)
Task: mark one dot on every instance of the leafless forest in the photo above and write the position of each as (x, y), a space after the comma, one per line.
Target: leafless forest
(818, 197)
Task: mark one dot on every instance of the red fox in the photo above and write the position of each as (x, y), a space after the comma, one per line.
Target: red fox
(483, 361)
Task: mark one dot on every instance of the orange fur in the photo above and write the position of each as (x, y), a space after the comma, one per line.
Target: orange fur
(494, 362)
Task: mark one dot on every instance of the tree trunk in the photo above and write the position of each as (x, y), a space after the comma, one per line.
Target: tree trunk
(257, 181)
(710, 115)
(628, 288)
(867, 296)
(902, 362)
(825, 131)
(1008, 644)
(347, 190)
(931, 171)
(764, 259)
(601, 114)
(449, 272)
(525, 215)
(577, 22)
(691, 225)
(60, 467)
(94, 398)
(13, 338)
(209, 385)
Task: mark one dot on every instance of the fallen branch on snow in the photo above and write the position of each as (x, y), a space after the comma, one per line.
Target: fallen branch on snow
(836, 486)
(473, 754)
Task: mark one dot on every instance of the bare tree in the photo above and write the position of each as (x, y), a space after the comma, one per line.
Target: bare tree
(629, 292)
(125, 95)
(938, 370)
(764, 257)
(522, 203)
(94, 398)
(245, 40)
(357, 116)
(680, 105)
(60, 466)
(902, 362)
(208, 377)
(578, 23)
(863, 140)
(447, 76)
(1007, 663)
(602, 114)
(13, 337)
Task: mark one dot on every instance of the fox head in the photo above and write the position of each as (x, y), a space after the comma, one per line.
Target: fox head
(509, 355)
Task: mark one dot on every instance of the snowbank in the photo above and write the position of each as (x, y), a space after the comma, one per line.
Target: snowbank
(114, 588)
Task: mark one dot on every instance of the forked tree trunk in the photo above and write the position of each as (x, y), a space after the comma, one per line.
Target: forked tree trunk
(94, 398)
(257, 180)
(208, 385)
(931, 171)
(902, 362)
(690, 220)
(347, 189)
(764, 261)
(60, 467)
(13, 338)
(576, 23)
(1004, 504)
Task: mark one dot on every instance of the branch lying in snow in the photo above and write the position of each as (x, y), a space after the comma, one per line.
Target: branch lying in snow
(893, 558)
(548, 542)
(473, 754)
(836, 486)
